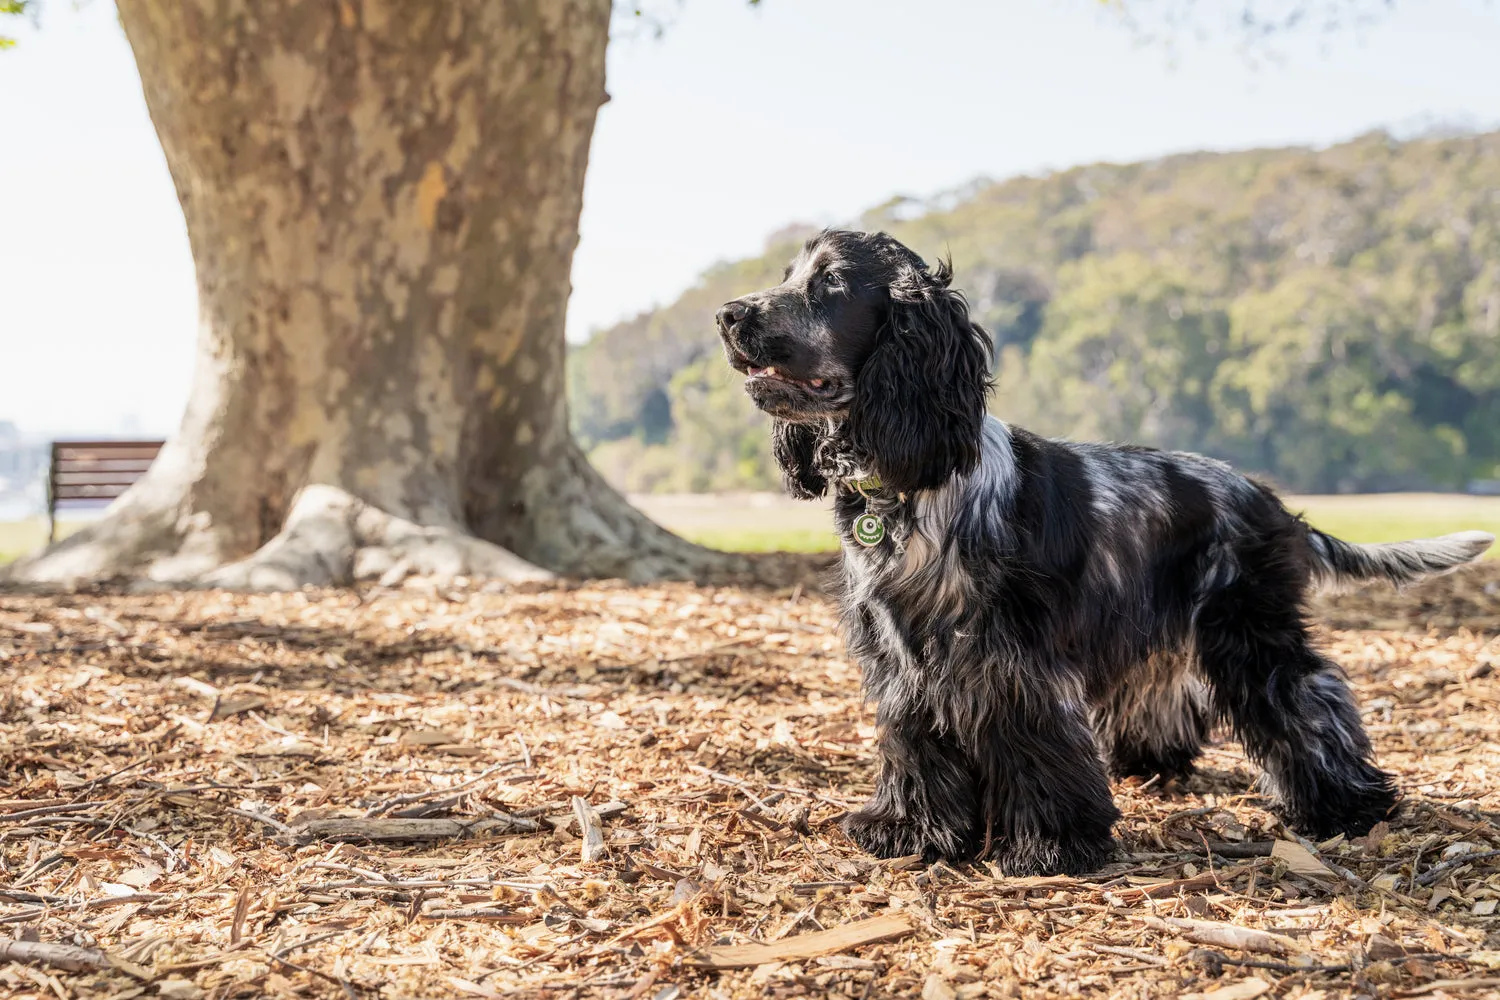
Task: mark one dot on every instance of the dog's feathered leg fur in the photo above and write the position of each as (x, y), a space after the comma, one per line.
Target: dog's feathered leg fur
(1155, 720)
(1046, 799)
(924, 801)
(1289, 705)
(1027, 790)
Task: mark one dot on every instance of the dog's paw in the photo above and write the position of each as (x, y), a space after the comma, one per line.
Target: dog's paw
(883, 836)
(888, 837)
(1022, 856)
(1350, 807)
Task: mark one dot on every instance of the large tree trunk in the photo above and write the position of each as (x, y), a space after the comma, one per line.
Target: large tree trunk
(382, 200)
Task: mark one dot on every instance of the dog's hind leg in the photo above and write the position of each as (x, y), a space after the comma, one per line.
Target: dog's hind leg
(1155, 720)
(1045, 797)
(1292, 711)
(924, 801)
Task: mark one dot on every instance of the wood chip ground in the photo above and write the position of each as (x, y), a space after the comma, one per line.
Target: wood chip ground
(393, 793)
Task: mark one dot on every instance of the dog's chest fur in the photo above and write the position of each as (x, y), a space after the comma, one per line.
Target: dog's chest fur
(910, 604)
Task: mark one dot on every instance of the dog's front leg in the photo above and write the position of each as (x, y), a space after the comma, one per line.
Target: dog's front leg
(1046, 805)
(924, 801)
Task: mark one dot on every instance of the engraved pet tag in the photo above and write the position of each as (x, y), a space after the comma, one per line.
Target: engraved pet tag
(868, 530)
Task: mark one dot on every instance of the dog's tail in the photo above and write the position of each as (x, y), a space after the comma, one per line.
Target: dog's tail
(1338, 561)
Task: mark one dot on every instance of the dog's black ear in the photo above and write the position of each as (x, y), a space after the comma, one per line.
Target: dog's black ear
(919, 402)
(793, 446)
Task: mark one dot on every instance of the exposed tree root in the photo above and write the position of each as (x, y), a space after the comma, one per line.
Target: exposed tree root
(332, 538)
(568, 518)
(127, 544)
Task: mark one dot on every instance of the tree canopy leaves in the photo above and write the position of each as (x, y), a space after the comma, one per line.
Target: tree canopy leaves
(10, 7)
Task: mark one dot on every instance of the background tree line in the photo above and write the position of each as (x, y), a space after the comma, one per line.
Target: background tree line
(1329, 319)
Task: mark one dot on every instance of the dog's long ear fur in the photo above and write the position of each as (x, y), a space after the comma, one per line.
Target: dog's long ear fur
(919, 405)
(792, 445)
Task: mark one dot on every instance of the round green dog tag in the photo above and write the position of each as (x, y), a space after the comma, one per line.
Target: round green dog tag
(868, 530)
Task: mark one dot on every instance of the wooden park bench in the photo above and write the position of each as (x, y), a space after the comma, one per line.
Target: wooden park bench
(94, 472)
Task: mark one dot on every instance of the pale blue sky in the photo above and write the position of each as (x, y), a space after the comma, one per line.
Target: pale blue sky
(733, 124)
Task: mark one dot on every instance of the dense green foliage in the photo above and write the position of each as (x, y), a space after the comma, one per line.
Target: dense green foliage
(1329, 319)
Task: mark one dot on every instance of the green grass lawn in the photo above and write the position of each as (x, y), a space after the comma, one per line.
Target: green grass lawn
(763, 523)
(1390, 517)
(19, 537)
(738, 524)
(764, 538)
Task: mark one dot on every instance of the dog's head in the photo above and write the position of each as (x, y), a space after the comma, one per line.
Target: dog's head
(862, 332)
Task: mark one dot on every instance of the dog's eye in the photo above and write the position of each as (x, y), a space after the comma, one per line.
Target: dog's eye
(831, 283)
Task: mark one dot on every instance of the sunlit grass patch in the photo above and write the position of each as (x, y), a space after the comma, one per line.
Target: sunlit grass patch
(762, 523)
(737, 525)
(764, 539)
(20, 537)
(1393, 517)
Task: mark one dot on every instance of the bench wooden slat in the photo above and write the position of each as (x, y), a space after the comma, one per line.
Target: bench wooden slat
(107, 445)
(104, 465)
(90, 492)
(95, 471)
(97, 478)
(95, 455)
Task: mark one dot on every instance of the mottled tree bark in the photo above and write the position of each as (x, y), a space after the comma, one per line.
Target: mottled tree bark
(382, 200)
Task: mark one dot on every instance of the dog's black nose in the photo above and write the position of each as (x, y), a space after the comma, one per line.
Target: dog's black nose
(731, 313)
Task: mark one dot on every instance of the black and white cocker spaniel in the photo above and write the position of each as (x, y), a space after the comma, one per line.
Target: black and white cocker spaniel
(1031, 615)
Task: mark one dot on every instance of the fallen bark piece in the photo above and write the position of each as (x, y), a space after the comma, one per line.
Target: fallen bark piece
(494, 914)
(1450, 985)
(428, 738)
(1348, 876)
(286, 746)
(178, 989)
(1024, 883)
(1170, 887)
(1245, 989)
(1299, 860)
(68, 957)
(804, 946)
(937, 988)
(589, 828)
(1229, 936)
(1252, 849)
(198, 687)
(359, 828)
(849, 962)
(1132, 953)
(234, 705)
(22, 916)
(1436, 872)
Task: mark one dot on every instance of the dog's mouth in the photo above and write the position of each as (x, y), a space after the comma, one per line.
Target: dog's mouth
(770, 374)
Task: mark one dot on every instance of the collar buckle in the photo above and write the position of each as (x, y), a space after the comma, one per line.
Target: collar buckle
(864, 486)
(867, 485)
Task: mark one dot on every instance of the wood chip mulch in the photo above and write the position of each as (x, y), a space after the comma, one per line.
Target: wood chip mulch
(634, 792)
